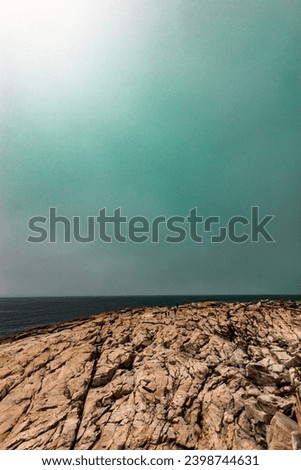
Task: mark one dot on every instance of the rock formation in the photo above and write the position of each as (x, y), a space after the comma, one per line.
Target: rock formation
(202, 376)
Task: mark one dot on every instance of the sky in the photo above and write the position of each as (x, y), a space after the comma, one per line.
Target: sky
(156, 107)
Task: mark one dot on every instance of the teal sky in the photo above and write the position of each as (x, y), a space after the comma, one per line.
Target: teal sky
(154, 106)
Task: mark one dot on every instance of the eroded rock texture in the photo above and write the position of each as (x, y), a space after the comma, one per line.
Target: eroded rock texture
(203, 376)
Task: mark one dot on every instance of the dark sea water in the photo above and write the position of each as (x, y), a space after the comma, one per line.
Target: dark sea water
(19, 314)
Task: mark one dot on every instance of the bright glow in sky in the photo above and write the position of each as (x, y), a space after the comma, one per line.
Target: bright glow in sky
(42, 25)
(42, 32)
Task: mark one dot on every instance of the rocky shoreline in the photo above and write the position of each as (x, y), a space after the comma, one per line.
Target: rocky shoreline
(207, 375)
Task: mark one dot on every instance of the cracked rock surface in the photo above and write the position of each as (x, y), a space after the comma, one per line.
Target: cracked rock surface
(207, 375)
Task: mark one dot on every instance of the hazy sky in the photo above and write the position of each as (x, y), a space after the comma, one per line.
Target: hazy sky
(154, 106)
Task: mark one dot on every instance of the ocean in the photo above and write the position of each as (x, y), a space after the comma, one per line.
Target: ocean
(22, 313)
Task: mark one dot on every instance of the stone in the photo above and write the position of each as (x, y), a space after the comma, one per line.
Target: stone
(279, 433)
(208, 375)
(296, 440)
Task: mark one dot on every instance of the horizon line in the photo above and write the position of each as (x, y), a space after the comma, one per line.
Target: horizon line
(148, 295)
